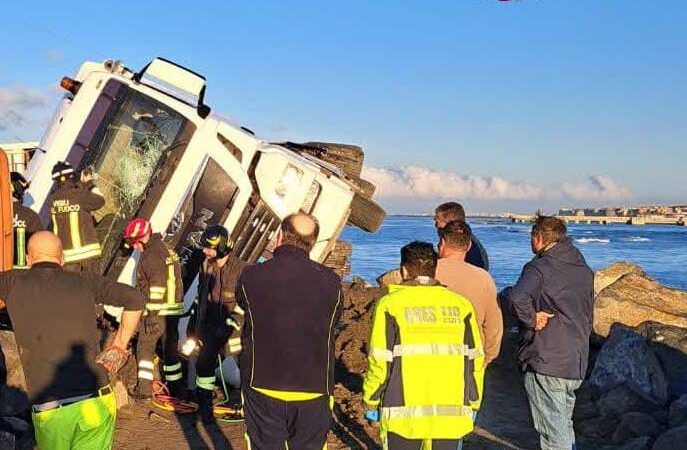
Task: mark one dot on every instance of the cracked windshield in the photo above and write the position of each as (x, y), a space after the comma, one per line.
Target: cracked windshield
(129, 150)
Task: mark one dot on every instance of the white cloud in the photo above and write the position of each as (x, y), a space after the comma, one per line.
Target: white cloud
(413, 182)
(597, 188)
(17, 104)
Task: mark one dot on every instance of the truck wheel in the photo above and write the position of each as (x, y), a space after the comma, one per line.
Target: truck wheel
(366, 213)
(339, 258)
(367, 189)
(348, 158)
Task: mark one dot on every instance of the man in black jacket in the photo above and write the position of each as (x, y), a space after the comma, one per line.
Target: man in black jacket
(292, 306)
(52, 312)
(554, 299)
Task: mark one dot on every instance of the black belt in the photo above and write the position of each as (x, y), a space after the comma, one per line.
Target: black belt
(47, 406)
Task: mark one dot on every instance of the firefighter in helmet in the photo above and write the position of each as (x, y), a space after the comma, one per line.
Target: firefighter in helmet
(25, 221)
(217, 319)
(71, 205)
(158, 277)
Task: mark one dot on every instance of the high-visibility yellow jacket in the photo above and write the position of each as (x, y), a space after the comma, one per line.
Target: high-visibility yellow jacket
(426, 363)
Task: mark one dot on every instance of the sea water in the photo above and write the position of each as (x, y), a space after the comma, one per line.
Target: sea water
(660, 250)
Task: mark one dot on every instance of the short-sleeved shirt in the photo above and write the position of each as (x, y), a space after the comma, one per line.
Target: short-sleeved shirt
(54, 321)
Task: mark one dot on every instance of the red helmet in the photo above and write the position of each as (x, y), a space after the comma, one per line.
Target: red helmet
(137, 229)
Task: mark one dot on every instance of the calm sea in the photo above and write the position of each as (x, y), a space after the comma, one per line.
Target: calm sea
(660, 250)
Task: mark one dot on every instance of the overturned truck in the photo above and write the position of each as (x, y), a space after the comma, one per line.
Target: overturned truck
(157, 152)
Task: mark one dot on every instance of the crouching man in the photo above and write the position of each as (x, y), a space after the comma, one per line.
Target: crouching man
(433, 334)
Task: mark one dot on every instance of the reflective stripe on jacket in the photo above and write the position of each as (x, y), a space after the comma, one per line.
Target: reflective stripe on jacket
(426, 362)
(70, 213)
(25, 222)
(158, 277)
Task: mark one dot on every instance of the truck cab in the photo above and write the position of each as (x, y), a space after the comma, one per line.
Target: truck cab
(157, 152)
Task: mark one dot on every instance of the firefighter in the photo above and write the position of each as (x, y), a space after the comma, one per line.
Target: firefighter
(425, 366)
(25, 221)
(158, 277)
(71, 206)
(217, 319)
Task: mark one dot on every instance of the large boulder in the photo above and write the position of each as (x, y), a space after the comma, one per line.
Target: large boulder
(673, 439)
(626, 359)
(641, 443)
(13, 398)
(678, 412)
(390, 277)
(669, 344)
(606, 277)
(633, 425)
(635, 298)
(621, 399)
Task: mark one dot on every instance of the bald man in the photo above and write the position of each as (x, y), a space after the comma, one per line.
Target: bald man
(53, 316)
(292, 306)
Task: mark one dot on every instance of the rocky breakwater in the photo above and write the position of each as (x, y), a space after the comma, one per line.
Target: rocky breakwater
(635, 397)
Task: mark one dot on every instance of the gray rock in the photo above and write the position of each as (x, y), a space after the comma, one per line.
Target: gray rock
(634, 299)
(642, 443)
(606, 277)
(390, 277)
(597, 429)
(13, 398)
(669, 344)
(359, 283)
(620, 400)
(627, 359)
(633, 425)
(673, 439)
(678, 412)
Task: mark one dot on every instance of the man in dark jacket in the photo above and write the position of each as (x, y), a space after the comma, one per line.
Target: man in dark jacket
(71, 206)
(448, 212)
(554, 299)
(292, 306)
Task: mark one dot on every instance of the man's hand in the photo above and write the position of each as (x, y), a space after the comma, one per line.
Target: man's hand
(541, 319)
(112, 358)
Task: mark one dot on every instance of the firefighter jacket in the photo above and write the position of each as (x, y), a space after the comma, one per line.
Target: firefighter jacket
(70, 212)
(425, 363)
(216, 308)
(25, 222)
(158, 277)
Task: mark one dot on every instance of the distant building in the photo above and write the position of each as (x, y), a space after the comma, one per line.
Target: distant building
(609, 212)
(566, 212)
(18, 154)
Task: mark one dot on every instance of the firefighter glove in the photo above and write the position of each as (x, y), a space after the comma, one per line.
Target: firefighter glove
(112, 358)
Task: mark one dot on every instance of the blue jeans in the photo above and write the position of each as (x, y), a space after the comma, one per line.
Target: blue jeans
(552, 401)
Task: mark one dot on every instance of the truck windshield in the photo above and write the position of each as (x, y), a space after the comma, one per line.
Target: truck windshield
(135, 135)
(129, 149)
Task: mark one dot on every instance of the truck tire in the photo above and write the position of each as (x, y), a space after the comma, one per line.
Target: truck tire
(348, 158)
(366, 213)
(367, 189)
(339, 258)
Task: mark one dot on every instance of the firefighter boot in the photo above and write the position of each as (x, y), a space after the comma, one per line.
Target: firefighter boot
(177, 389)
(143, 390)
(205, 405)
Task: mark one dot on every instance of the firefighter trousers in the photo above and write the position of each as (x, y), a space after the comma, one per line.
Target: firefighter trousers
(163, 330)
(213, 338)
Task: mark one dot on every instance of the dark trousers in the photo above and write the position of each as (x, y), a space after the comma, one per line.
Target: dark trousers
(213, 338)
(164, 330)
(396, 442)
(272, 423)
(91, 266)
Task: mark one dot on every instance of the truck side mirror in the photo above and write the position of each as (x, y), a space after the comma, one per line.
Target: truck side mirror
(203, 111)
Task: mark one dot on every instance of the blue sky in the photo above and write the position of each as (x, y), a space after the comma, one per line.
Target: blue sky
(502, 105)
